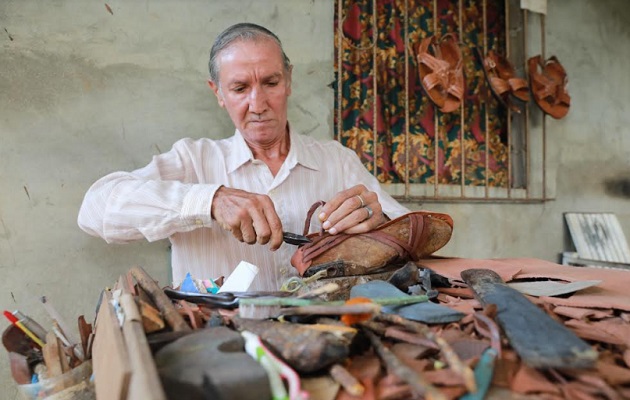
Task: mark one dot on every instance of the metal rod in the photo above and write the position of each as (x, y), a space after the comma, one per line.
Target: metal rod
(406, 40)
(490, 200)
(462, 128)
(375, 84)
(339, 67)
(544, 121)
(509, 111)
(487, 137)
(526, 133)
(436, 126)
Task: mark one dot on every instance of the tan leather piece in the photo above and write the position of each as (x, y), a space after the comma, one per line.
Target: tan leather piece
(408, 237)
(366, 370)
(529, 380)
(582, 313)
(548, 81)
(441, 71)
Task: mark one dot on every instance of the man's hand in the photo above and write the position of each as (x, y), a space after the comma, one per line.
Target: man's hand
(250, 217)
(349, 211)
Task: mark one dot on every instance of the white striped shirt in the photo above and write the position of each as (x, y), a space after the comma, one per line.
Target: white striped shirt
(172, 196)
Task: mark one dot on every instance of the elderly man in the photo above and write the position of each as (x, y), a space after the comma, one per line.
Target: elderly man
(223, 201)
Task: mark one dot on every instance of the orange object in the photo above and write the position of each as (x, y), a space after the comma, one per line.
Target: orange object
(351, 319)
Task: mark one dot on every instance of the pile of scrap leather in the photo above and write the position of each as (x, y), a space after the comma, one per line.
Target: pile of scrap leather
(442, 328)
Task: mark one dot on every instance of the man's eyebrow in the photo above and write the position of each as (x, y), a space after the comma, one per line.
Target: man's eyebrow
(272, 76)
(267, 78)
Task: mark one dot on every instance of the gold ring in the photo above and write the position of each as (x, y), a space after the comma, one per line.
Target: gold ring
(370, 212)
(361, 200)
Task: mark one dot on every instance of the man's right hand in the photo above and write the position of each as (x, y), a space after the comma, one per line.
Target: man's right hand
(250, 217)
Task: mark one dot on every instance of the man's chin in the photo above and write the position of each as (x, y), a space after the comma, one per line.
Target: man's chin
(263, 133)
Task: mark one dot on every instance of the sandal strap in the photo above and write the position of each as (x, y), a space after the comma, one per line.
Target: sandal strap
(547, 89)
(432, 80)
(456, 91)
(499, 85)
(321, 244)
(517, 84)
(309, 216)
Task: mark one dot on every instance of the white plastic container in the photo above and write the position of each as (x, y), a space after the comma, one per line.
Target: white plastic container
(241, 278)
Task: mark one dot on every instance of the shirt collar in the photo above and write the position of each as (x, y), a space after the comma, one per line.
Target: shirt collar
(298, 153)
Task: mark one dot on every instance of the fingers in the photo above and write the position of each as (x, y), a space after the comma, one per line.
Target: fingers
(349, 211)
(250, 217)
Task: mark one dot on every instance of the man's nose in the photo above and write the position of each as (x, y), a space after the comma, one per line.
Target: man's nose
(257, 101)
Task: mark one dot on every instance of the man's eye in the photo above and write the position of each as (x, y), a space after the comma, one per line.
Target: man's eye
(238, 89)
(273, 83)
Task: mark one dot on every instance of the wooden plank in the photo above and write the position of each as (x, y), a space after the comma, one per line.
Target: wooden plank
(112, 370)
(145, 382)
(163, 303)
(152, 320)
(53, 355)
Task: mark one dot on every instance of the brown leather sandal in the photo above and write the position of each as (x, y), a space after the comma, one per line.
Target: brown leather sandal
(451, 53)
(501, 77)
(556, 72)
(441, 71)
(432, 71)
(548, 84)
(408, 237)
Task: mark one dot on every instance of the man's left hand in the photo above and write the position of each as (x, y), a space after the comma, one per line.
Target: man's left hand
(355, 210)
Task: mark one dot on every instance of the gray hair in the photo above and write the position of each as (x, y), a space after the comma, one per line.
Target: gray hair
(241, 31)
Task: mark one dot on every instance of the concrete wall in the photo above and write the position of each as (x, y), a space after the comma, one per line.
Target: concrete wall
(84, 92)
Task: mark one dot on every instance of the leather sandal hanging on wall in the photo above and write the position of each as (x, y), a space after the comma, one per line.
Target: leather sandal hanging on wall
(502, 80)
(548, 83)
(441, 72)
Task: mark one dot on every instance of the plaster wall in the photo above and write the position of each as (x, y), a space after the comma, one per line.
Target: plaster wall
(84, 92)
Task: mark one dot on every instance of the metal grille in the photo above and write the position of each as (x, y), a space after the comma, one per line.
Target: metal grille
(527, 153)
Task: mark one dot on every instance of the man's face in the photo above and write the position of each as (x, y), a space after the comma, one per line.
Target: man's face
(254, 87)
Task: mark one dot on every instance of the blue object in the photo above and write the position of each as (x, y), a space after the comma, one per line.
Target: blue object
(188, 285)
(483, 375)
(429, 313)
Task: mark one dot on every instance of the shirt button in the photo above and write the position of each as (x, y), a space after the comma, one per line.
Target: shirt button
(283, 271)
(199, 222)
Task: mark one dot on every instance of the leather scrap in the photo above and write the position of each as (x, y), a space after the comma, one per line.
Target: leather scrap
(552, 288)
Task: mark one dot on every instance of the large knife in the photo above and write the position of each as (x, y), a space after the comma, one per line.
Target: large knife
(539, 340)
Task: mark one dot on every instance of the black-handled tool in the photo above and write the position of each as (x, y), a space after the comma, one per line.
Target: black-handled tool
(294, 238)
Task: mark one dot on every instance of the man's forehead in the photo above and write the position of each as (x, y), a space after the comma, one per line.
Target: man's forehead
(258, 50)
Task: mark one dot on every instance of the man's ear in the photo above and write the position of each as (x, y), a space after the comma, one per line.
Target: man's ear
(289, 79)
(217, 92)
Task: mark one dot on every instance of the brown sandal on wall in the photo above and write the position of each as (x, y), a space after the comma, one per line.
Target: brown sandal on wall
(452, 54)
(441, 71)
(408, 237)
(501, 77)
(548, 84)
(556, 71)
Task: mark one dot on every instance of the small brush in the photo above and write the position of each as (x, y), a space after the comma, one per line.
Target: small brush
(263, 312)
(272, 307)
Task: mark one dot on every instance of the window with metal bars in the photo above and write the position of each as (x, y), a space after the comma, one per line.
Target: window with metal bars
(478, 151)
